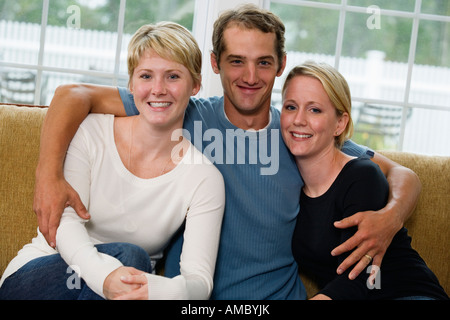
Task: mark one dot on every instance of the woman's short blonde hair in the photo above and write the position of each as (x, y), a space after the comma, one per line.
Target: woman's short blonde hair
(170, 41)
(336, 88)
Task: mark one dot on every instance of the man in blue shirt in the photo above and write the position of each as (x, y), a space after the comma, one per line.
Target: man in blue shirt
(240, 134)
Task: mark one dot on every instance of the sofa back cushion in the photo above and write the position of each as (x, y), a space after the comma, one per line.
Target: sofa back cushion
(429, 226)
(20, 129)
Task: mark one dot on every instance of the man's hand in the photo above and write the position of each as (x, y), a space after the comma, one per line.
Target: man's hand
(126, 283)
(376, 229)
(51, 197)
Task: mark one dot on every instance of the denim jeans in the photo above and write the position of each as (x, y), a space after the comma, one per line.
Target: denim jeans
(50, 278)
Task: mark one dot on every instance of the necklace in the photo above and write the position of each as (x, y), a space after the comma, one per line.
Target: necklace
(131, 148)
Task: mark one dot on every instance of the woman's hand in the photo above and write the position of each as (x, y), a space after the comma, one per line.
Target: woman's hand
(138, 279)
(125, 283)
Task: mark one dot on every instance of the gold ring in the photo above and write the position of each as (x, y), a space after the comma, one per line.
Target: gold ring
(368, 257)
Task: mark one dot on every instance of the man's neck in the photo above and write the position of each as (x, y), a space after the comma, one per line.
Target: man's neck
(257, 120)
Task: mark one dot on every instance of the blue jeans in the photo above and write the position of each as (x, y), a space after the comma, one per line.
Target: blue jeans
(50, 278)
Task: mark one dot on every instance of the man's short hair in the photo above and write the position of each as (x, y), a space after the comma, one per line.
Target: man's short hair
(251, 17)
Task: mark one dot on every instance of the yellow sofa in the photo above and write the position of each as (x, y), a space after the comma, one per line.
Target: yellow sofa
(20, 128)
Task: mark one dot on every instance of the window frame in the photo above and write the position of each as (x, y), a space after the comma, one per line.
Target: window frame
(206, 12)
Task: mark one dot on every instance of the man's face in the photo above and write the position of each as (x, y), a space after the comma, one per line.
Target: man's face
(248, 68)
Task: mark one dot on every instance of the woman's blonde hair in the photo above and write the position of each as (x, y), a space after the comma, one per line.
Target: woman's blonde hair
(336, 88)
(170, 41)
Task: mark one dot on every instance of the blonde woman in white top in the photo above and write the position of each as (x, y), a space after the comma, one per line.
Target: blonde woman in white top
(140, 180)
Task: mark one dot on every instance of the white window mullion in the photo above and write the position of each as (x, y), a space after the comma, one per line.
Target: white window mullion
(340, 34)
(120, 30)
(44, 20)
(411, 61)
(204, 16)
(266, 4)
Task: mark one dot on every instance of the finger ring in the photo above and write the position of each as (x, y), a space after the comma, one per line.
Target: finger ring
(368, 257)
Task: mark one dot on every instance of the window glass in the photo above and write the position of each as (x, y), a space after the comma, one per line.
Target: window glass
(431, 72)
(81, 38)
(17, 85)
(51, 81)
(433, 44)
(303, 33)
(21, 11)
(401, 5)
(377, 62)
(439, 7)
(99, 15)
(427, 132)
(391, 35)
(305, 38)
(20, 31)
(377, 125)
(139, 13)
(82, 35)
(328, 1)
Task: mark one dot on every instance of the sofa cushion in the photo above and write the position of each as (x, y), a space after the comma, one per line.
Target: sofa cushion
(19, 143)
(429, 226)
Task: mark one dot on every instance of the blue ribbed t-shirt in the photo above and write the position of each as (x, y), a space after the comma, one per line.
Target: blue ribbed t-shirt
(262, 184)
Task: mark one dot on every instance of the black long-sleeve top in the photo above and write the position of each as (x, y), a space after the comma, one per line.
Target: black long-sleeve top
(360, 186)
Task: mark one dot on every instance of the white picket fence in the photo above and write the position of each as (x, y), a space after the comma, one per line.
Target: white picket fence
(64, 48)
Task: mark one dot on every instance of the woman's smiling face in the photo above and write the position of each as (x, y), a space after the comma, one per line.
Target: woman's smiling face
(309, 121)
(162, 89)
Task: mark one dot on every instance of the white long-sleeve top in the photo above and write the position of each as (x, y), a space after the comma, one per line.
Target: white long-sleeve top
(145, 212)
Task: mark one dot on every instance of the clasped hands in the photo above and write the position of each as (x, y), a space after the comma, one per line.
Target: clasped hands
(126, 283)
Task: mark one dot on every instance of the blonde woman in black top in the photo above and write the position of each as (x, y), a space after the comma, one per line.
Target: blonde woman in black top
(315, 122)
